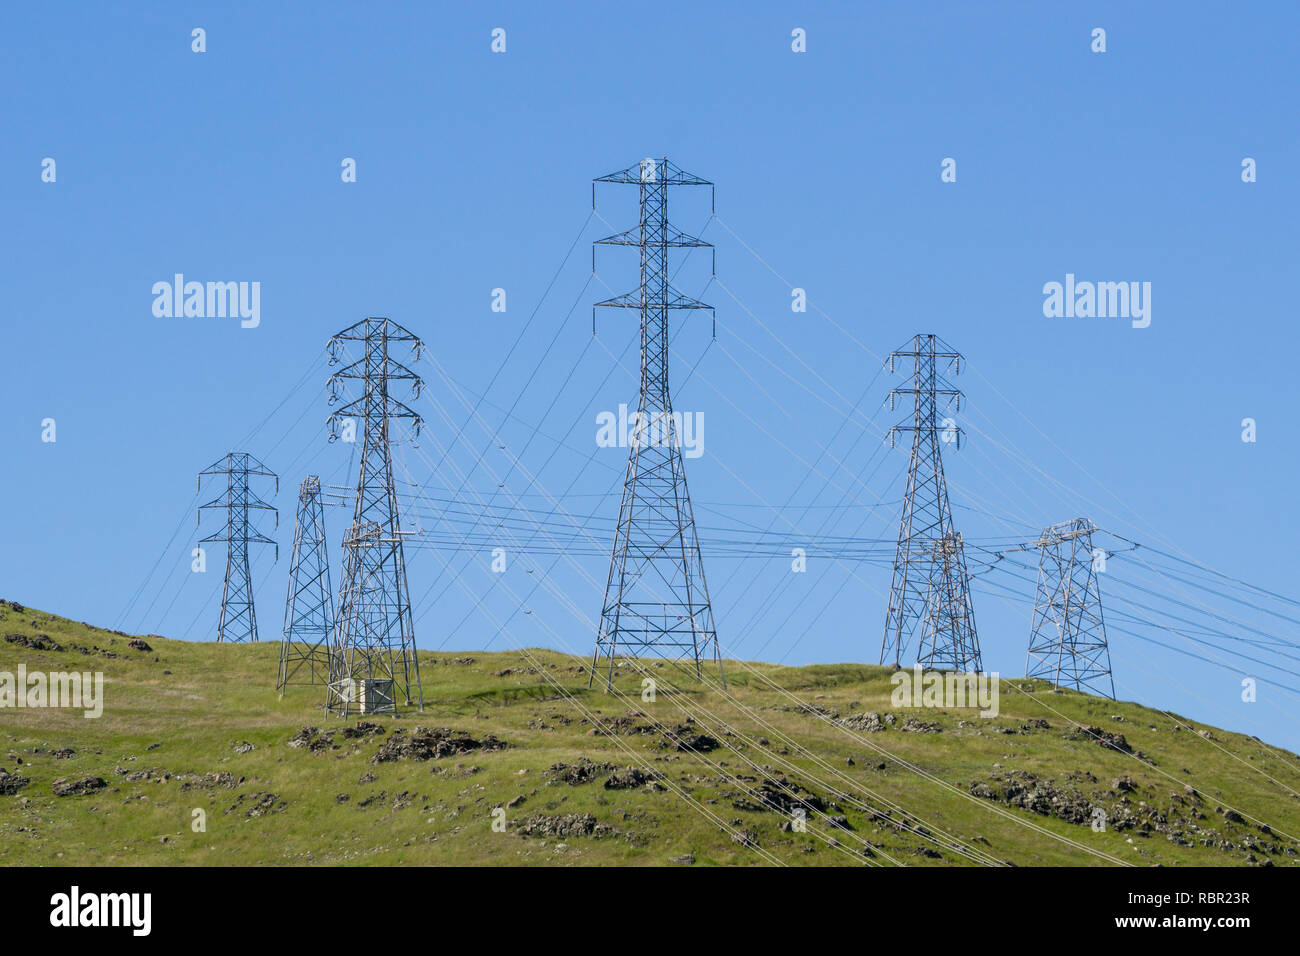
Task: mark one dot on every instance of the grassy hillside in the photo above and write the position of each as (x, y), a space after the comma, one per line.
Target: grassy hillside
(696, 777)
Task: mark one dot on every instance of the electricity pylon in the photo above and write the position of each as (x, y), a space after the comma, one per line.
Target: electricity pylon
(373, 662)
(238, 621)
(930, 584)
(1067, 637)
(309, 606)
(656, 598)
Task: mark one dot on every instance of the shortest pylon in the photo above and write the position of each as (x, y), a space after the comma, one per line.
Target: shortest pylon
(1067, 638)
(309, 607)
(238, 618)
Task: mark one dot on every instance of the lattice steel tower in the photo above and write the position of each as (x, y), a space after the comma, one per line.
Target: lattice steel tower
(373, 663)
(1067, 638)
(930, 585)
(238, 621)
(656, 598)
(309, 606)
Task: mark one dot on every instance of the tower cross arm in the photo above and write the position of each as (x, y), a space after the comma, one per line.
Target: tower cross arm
(676, 239)
(403, 373)
(950, 392)
(255, 502)
(356, 370)
(636, 299)
(651, 170)
(365, 328)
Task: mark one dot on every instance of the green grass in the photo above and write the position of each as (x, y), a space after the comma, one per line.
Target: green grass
(179, 711)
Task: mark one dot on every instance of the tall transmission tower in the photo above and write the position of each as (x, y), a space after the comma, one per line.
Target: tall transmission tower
(238, 621)
(930, 586)
(309, 606)
(656, 598)
(373, 662)
(1067, 638)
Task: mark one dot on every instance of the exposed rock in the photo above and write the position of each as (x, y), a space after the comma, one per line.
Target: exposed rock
(745, 837)
(815, 710)
(40, 642)
(257, 804)
(317, 740)
(685, 739)
(633, 722)
(869, 721)
(313, 739)
(1103, 738)
(426, 744)
(211, 781)
(914, 725)
(138, 644)
(565, 825)
(1019, 788)
(63, 787)
(584, 771)
(11, 783)
(364, 728)
(631, 778)
(781, 795)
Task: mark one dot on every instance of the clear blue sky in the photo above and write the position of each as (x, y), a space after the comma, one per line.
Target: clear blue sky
(474, 173)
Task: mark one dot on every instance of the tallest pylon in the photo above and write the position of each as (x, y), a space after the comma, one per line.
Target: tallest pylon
(656, 598)
(373, 663)
(930, 588)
